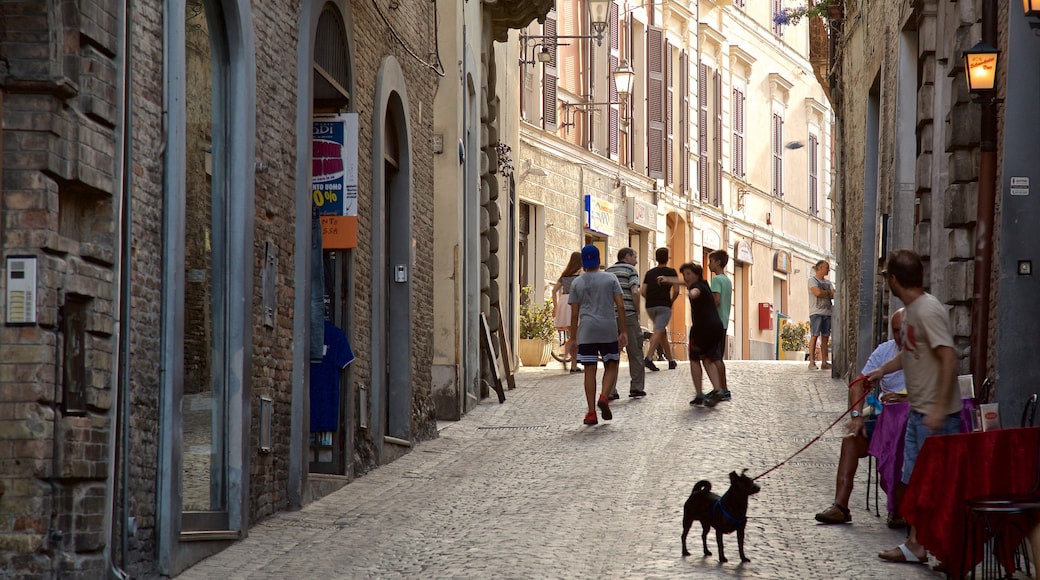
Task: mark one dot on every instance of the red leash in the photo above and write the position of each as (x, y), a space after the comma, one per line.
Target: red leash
(817, 438)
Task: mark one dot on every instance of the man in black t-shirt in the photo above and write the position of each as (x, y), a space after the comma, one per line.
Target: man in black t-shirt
(659, 299)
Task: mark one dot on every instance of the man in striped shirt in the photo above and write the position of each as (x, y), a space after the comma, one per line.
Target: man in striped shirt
(628, 277)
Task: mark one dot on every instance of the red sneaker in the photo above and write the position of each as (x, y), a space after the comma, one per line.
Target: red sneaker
(604, 409)
(590, 419)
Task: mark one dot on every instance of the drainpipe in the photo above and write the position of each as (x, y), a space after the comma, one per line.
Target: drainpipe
(117, 456)
(984, 220)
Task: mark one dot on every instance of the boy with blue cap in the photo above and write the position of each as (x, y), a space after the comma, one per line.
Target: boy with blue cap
(597, 329)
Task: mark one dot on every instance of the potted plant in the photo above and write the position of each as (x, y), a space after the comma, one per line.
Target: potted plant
(794, 340)
(536, 330)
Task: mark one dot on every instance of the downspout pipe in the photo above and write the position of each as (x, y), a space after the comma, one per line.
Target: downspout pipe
(985, 218)
(117, 456)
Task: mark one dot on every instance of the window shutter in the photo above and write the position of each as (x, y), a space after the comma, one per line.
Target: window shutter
(612, 111)
(738, 133)
(669, 121)
(684, 122)
(778, 29)
(702, 131)
(778, 170)
(614, 36)
(814, 172)
(655, 102)
(549, 78)
(717, 193)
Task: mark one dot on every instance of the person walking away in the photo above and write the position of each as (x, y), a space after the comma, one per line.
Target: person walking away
(659, 299)
(598, 325)
(722, 291)
(628, 278)
(560, 291)
(928, 358)
(854, 445)
(821, 293)
(705, 332)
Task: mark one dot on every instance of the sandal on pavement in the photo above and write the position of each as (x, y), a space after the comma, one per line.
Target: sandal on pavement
(902, 555)
(896, 522)
(835, 514)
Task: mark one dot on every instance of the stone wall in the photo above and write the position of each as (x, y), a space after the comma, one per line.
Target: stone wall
(945, 183)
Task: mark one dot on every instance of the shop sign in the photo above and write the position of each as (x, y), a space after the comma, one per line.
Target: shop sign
(642, 214)
(712, 240)
(334, 181)
(599, 215)
(782, 261)
(742, 252)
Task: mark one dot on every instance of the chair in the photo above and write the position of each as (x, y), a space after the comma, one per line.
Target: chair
(872, 465)
(1029, 412)
(998, 515)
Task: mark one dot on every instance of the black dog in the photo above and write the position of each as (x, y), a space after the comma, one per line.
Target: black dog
(725, 514)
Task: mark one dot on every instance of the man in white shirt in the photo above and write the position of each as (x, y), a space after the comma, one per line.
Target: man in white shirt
(854, 445)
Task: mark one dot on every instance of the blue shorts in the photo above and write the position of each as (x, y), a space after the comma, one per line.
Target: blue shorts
(917, 432)
(589, 354)
(661, 315)
(819, 325)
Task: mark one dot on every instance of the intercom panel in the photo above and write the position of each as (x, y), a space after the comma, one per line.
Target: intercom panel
(20, 291)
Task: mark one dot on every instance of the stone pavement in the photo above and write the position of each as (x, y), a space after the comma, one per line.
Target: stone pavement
(524, 490)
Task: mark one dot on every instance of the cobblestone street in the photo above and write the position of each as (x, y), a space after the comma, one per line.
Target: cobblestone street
(524, 490)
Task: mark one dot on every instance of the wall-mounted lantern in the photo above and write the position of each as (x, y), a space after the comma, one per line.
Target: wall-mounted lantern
(980, 68)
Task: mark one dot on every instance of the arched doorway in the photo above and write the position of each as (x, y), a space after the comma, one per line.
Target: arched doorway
(331, 440)
(392, 264)
(677, 241)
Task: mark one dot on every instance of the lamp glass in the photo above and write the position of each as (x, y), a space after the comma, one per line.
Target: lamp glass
(623, 78)
(980, 67)
(544, 55)
(598, 14)
(1031, 8)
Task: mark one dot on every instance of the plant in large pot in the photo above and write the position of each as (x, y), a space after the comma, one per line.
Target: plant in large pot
(794, 340)
(536, 330)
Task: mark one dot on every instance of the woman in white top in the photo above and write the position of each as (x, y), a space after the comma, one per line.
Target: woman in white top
(560, 291)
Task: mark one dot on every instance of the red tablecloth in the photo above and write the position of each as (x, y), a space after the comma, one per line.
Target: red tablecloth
(953, 468)
(886, 443)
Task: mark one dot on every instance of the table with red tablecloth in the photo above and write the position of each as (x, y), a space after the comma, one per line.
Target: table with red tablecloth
(886, 443)
(953, 468)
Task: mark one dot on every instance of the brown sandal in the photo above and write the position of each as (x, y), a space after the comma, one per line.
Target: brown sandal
(835, 514)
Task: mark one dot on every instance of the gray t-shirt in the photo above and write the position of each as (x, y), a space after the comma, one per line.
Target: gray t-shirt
(597, 320)
(819, 304)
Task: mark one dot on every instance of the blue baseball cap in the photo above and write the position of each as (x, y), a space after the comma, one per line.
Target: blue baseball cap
(590, 256)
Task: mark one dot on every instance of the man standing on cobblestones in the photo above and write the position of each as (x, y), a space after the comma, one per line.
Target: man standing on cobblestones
(722, 291)
(628, 277)
(821, 295)
(598, 329)
(929, 361)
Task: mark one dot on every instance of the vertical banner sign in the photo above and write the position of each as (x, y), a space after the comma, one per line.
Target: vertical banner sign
(599, 215)
(334, 185)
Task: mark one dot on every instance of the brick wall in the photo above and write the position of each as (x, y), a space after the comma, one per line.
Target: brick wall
(59, 196)
(60, 202)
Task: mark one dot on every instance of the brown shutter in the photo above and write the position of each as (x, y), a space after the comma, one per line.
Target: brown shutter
(738, 133)
(684, 123)
(549, 78)
(778, 169)
(702, 131)
(614, 36)
(814, 173)
(717, 194)
(655, 102)
(669, 115)
(612, 110)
